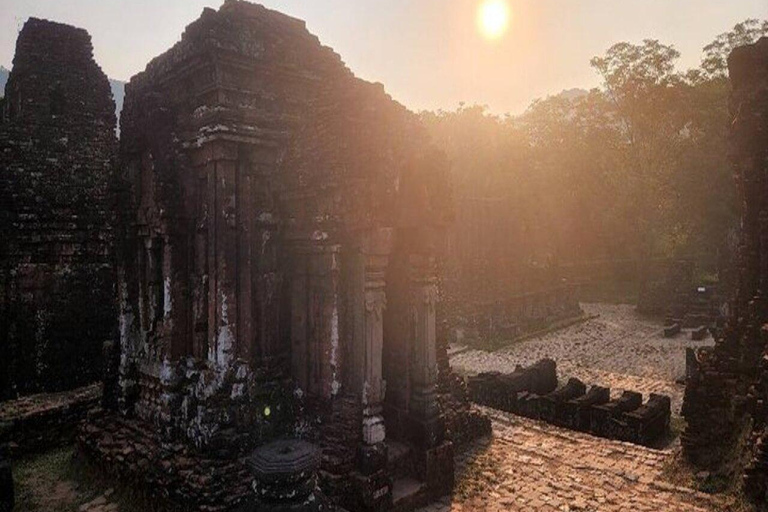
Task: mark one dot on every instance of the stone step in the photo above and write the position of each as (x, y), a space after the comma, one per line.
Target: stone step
(408, 494)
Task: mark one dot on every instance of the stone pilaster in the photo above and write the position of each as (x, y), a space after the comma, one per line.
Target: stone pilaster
(374, 487)
(427, 427)
(315, 316)
(373, 388)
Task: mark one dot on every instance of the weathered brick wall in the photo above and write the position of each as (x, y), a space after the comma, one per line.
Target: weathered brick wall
(726, 386)
(57, 150)
(253, 159)
(39, 422)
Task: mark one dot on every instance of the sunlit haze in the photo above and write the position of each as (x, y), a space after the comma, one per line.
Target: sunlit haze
(493, 18)
(430, 54)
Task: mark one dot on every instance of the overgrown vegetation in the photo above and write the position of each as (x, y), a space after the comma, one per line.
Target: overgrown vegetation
(634, 169)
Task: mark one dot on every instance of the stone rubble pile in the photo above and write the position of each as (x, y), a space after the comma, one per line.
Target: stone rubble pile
(136, 455)
(533, 392)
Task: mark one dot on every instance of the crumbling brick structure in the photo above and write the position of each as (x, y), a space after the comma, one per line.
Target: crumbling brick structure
(277, 275)
(726, 386)
(57, 151)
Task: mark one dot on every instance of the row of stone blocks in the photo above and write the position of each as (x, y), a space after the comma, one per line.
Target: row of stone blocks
(533, 392)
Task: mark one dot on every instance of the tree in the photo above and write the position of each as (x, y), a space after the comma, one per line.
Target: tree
(715, 62)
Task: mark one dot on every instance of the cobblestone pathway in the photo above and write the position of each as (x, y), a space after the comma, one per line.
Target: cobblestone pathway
(532, 466)
(619, 349)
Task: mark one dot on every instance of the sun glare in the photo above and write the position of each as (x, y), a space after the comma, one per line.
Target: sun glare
(493, 18)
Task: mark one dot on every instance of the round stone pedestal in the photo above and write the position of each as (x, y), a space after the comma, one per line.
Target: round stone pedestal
(285, 477)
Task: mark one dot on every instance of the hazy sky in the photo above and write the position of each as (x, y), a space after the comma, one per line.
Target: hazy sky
(428, 53)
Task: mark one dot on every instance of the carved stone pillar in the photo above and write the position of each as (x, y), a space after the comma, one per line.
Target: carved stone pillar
(367, 302)
(373, 385)
(426, 427)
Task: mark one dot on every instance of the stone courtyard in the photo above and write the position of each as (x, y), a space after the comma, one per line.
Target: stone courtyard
(616, 348)
(531, 466)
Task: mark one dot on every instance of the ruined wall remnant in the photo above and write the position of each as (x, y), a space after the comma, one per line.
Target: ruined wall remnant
(533, 392)
(276, 260)
(727, 385)
(57, 150)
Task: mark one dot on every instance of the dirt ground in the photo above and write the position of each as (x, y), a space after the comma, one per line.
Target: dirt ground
(54, 482)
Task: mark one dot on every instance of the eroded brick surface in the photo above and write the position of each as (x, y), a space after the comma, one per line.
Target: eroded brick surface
(531, 466)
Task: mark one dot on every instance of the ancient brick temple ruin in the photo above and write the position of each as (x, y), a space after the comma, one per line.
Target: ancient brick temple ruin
(57, 152)
(726, 391)
(277, 274)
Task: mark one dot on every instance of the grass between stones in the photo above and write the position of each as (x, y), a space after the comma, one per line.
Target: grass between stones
(56, 480)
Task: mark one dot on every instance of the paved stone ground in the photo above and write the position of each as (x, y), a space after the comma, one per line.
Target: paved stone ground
(531, 466)
(619, 349)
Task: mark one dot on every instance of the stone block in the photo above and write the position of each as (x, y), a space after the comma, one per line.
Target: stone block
(649, 422)
(605, 419)
(552, 407)
(371, 493)
(672, 330)
(700, 333)
(577, 414)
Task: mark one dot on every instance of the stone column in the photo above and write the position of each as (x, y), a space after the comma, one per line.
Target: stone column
(373, 388)
(367, 301)
(426, 423)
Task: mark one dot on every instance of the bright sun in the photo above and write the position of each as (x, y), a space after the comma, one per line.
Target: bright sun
(493, 18)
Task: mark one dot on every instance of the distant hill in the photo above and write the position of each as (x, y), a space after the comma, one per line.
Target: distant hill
(118, 90)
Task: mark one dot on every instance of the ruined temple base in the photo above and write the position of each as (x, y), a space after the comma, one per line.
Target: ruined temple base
(173, 474)
(176, 477)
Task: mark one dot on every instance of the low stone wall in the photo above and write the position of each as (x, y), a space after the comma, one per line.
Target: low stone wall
(501, 322)
(40, 422)
(533, 392)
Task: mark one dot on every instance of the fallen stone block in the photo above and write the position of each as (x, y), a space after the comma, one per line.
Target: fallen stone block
(699, 333)
(527, 405)
(649, 422)
(671, 330)
(578, 411)
(501, 391)
(552, 406)
(543, 377)
(604, 418)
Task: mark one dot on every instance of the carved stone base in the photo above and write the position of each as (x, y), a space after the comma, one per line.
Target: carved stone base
(372, 493)
(371, 458)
